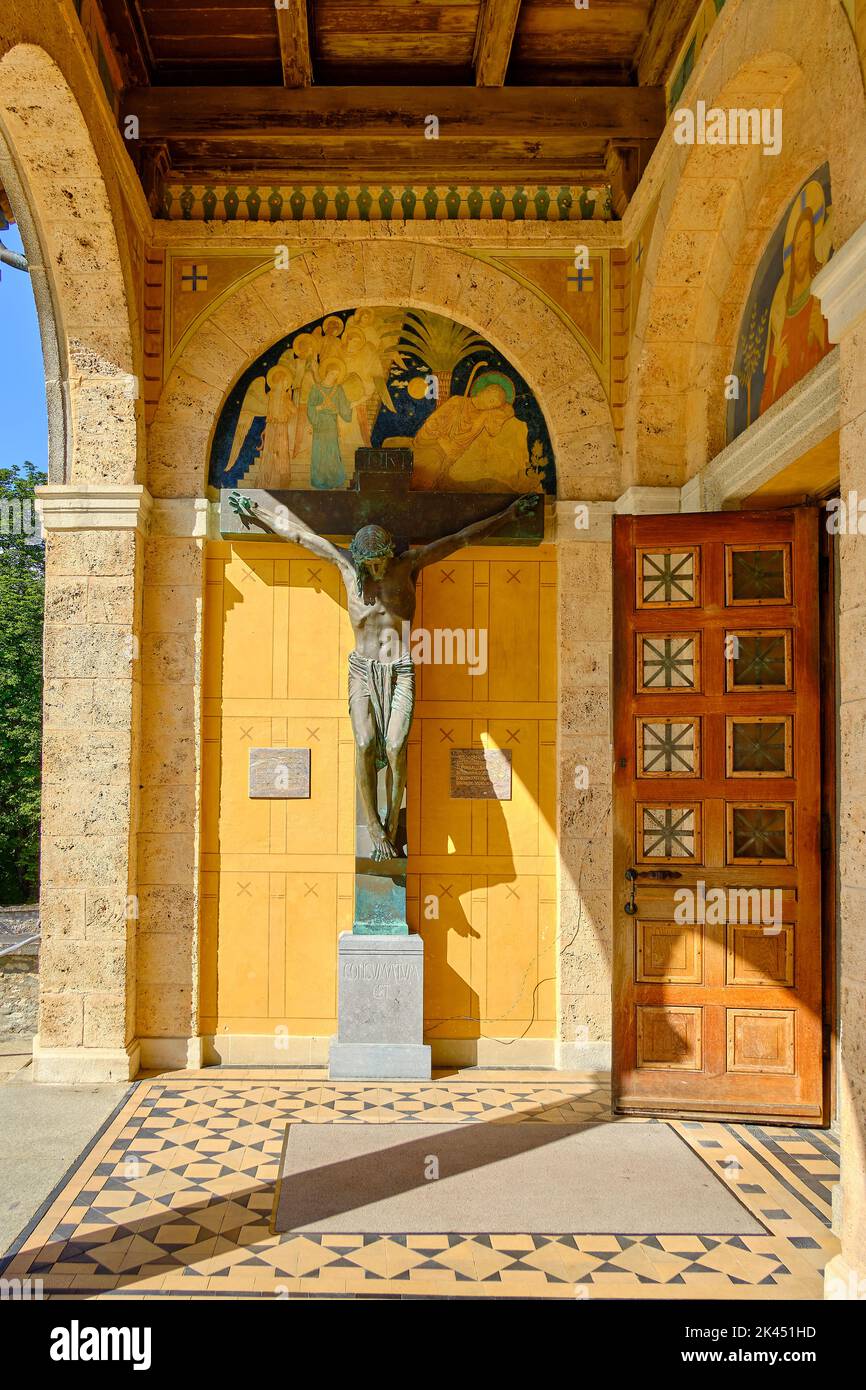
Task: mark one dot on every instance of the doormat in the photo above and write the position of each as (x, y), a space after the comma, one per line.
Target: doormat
(624, 1177)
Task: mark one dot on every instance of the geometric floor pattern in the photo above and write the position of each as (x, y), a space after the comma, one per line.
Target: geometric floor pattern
(174, 1199)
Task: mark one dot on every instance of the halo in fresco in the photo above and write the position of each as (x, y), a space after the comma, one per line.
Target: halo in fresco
(383, 377)
(783, 333)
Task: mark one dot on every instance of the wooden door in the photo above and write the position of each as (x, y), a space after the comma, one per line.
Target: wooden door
(717, 780)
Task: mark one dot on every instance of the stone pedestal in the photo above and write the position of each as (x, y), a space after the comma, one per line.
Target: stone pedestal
(380, 1009)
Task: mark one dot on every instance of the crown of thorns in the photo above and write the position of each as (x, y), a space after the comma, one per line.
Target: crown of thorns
(371, 543)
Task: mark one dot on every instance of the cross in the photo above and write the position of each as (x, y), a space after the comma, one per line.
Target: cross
(380, 495)
(583, 279)
(194, 278)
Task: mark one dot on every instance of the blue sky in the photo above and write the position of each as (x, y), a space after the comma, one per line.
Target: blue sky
(23, 419)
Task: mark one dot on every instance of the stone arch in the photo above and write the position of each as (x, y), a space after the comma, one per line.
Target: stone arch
(718, 207)
(351, 272)
(50, 169)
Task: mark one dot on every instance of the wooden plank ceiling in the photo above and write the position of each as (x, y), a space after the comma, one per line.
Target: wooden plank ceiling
(232, 89)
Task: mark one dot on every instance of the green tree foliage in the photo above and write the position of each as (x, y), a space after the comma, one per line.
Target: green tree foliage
(22, 595)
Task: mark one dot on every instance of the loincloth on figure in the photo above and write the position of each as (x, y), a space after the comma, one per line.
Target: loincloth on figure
(388, 685)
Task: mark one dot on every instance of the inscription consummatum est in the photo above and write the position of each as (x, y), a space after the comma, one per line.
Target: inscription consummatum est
(395, 970)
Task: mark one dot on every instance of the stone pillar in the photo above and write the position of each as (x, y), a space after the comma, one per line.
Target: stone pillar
(168, 1005)
(92, 710)
(585, 838)
(841, 287)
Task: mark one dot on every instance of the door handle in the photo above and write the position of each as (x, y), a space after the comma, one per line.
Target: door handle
(632, 876)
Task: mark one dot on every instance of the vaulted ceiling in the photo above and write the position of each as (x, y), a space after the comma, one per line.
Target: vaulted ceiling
(529, 90)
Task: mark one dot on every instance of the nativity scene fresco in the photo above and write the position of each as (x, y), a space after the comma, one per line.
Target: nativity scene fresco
(383, 377)
(783, 333)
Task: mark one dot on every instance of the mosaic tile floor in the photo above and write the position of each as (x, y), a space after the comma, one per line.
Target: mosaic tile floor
(174, 1199)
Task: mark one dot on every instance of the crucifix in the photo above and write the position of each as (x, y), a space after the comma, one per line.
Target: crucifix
(395, 533)
(379, 573)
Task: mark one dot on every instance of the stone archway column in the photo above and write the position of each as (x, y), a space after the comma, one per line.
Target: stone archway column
(841, 287)
(584, 829)
(92, 713)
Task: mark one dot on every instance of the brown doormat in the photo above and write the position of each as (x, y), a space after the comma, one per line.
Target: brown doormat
(626, 1177)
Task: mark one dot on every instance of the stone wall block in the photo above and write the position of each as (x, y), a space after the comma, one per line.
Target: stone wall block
(387, 281)
(114, 703)
(109, 912)
(85, 756)
(90, 860)
(166, 908)
(88, 553)
(85, 807)
(167, 658)
(164, 959)
(105, 1019)
(67, 703)
(61, 1018)
(61, 912)
(171, 560)
(111, 600)
(66, 600)
(75, 967)
(86, 651)
(164, 1011)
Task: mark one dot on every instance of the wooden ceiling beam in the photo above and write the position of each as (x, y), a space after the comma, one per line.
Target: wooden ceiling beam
(129, 39)
(554, 162)
(669, 22)
(280, 115)
(295, 44)
(497, 25)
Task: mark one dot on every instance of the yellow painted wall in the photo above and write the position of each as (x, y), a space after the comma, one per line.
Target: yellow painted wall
(278, 875)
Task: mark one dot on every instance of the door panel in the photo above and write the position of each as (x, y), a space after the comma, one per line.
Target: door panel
(717, 777)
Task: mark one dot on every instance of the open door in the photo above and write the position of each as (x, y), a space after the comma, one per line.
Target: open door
(717, 787)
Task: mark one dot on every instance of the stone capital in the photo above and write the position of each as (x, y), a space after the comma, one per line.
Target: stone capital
(94, 507)
(185, 518)
(581, 521)
(647, 501)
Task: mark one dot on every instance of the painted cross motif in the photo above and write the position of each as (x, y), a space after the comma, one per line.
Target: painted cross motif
(667, 577)
(193, 279)
(667, 832)
(582, 281)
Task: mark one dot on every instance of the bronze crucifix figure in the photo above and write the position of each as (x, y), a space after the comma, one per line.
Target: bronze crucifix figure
(380, 589)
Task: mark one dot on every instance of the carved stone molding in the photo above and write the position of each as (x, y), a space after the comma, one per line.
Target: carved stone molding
(841, 286)
(807, 414)
(94, 507)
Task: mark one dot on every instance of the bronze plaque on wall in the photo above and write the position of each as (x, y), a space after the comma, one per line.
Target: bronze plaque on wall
(481, 774)
(279, 773)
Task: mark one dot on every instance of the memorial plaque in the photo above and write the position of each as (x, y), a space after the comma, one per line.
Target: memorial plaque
(481, 774)
(279, 773)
